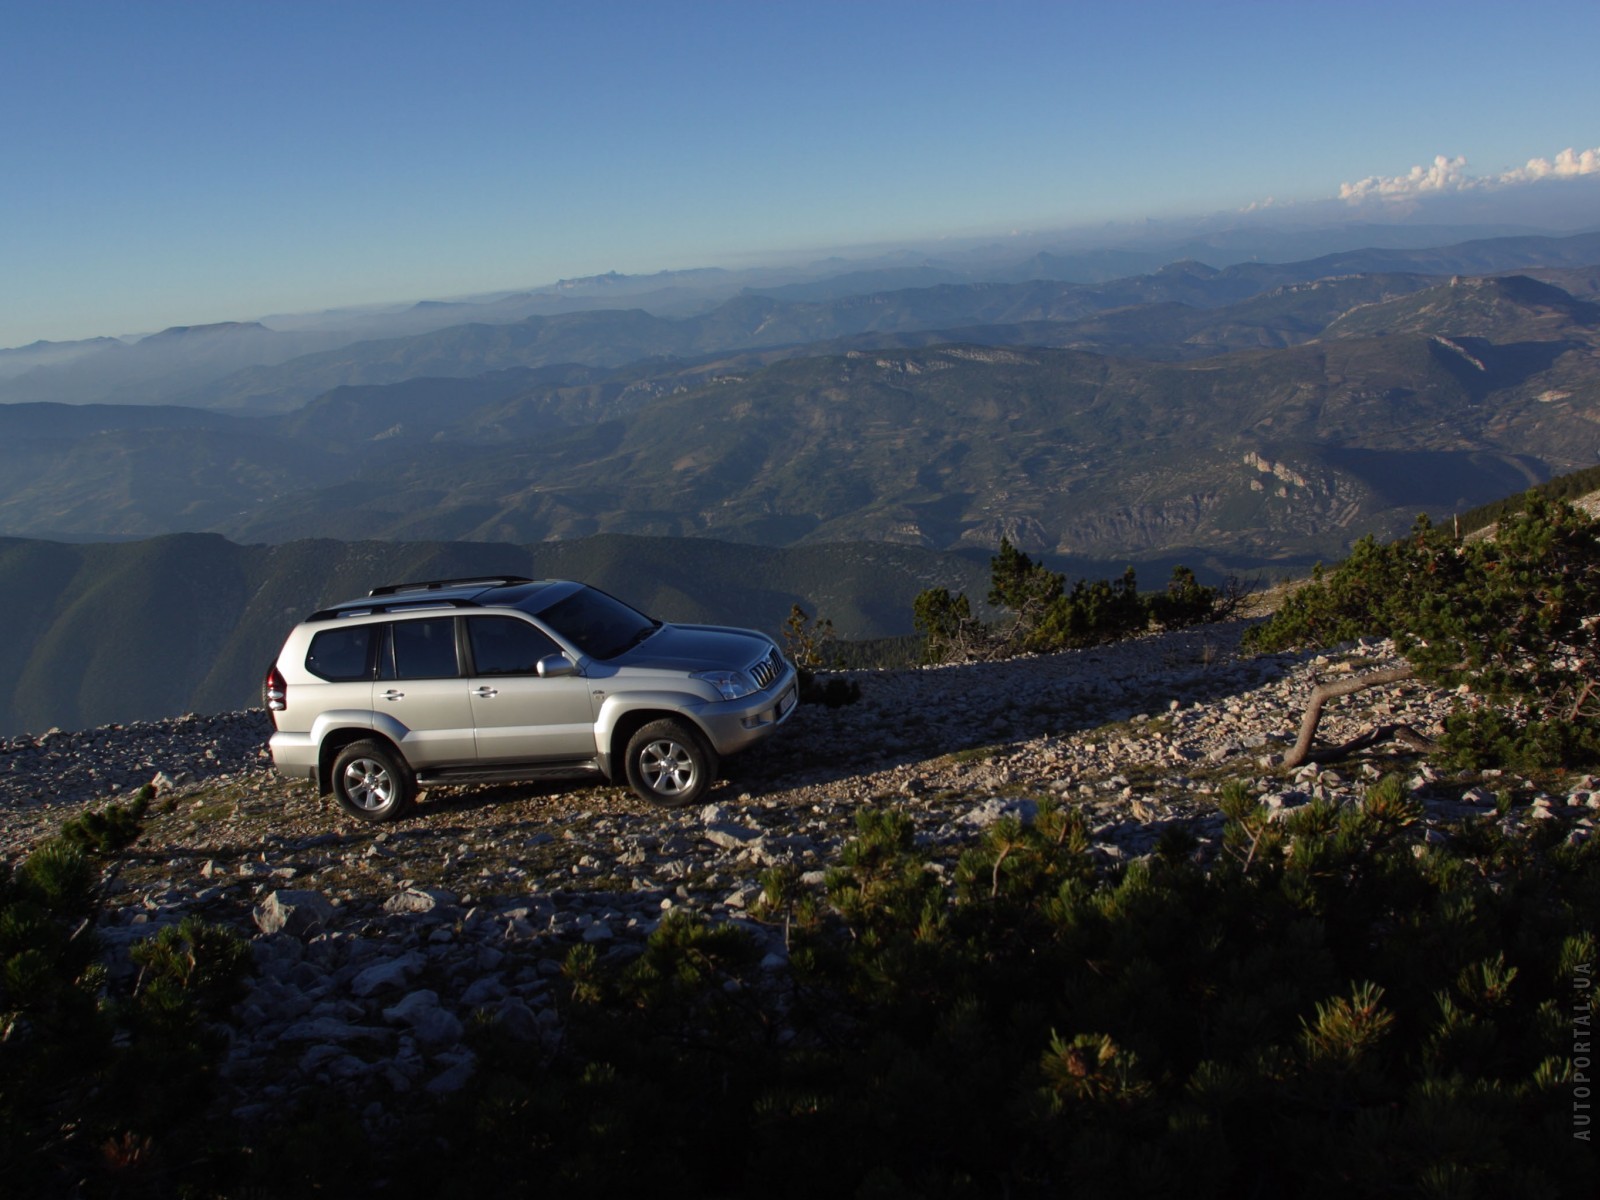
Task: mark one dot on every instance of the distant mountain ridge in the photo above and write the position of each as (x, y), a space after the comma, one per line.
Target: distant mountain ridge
(256, 369)
(753, 321)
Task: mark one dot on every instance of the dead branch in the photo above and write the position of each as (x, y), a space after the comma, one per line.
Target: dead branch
(1372, 737)
(1583, 698)
(1324, 692)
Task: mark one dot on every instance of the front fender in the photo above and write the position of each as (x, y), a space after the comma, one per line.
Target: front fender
(662, 702)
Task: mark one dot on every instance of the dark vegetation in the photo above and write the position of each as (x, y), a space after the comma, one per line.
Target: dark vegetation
(1569, 487)
(1335, 1007)
(105, 1081)
(1511, 619)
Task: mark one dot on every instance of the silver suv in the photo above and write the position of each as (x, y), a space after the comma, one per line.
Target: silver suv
(479, 680)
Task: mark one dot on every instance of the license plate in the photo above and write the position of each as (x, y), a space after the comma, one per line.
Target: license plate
(786, 702)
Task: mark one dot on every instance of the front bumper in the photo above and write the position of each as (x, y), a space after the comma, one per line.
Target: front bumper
(736, 724)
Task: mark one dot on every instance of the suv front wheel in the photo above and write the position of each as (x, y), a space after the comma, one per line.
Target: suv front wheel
(669, 764)
(370, 782)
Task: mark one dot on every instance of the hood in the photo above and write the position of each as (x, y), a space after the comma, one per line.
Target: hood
(697, 648)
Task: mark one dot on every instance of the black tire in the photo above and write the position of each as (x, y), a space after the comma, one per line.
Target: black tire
(372, 782)
(668, 763)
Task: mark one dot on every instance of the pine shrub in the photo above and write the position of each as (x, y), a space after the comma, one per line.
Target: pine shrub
(1337, 1006)
(105, 1091)
(1514, 619)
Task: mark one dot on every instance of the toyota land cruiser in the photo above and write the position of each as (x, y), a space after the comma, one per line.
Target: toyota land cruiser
(477, 680)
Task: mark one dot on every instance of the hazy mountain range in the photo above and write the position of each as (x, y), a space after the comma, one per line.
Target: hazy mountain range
(1257, 413)
(1232, 415)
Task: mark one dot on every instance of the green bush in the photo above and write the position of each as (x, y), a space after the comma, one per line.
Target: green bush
(104, 1091)
(1336, 1007)
(111, 828)
(949, 631)
(1186, 601)
(1512, 618)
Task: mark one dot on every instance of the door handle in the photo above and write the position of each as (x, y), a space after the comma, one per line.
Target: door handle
(486, 692)
(391, 694)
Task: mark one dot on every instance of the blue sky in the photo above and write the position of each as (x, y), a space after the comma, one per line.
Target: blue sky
(168, 163)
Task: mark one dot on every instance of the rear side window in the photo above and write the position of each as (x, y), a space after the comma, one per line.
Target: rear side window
(342, 655)
(421, 650)
(507, 646)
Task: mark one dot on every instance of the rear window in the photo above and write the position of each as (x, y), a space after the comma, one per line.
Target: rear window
(342, 655)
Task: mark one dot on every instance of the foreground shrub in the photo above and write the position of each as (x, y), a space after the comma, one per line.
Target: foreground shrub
(102, 1090)
(1336, 1007)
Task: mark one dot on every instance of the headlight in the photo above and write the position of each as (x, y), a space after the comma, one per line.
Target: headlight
(733, 685)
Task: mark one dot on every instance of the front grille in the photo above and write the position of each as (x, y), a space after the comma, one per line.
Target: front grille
(767, 670)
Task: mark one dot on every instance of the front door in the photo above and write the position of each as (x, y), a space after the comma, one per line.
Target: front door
(521, 717)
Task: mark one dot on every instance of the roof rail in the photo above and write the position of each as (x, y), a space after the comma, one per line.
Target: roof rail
(428, 585)
(361, 608)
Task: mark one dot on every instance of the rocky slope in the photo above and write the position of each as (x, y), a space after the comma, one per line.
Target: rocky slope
(376, 946)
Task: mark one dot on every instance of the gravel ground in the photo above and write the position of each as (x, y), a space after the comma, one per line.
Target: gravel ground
(376, 944)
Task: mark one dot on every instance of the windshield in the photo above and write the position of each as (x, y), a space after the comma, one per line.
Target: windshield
(599, 625)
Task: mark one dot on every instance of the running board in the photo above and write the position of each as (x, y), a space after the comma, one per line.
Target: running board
(508, 773)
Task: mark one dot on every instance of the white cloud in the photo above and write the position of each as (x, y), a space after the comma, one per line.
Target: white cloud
(1445, 175)
(1567, 164)
(1450, 175)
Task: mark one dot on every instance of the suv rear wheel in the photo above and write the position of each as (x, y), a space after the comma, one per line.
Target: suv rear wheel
(370, 782)
(668, 763)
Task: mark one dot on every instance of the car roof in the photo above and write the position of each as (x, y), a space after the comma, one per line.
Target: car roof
(502, 591)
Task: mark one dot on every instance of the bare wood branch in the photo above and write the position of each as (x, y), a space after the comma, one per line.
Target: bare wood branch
(1323, 692)
(1583, 698)
(1255, 840)
(1372, 737)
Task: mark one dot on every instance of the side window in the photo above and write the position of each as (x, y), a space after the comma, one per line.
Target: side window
(424, 649)
(507, 646)
(342, 655)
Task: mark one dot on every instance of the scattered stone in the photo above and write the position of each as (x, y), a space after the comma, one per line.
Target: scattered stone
(419, 900)
(390, 975)
(300, 914)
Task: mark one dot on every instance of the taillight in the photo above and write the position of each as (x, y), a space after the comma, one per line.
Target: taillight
(276, 691)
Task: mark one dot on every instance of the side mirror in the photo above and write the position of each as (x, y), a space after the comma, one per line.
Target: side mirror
(554, 666)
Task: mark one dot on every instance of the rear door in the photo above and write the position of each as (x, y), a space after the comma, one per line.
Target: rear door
(519, 716)
(421, 685)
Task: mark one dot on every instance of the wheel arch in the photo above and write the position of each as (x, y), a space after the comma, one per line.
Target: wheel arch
(336, 740)
(628, 722)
